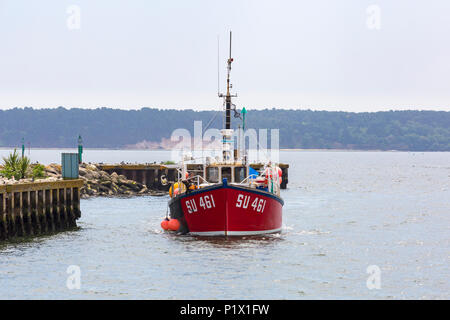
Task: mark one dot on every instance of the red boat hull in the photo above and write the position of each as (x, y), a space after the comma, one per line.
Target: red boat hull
(228, 210)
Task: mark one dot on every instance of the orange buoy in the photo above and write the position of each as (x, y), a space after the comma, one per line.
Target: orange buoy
(174, 224)
(165, 224)
(280, 174)
(176, 189)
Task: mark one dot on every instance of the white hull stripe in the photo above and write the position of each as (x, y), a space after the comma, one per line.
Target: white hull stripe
(234, 233)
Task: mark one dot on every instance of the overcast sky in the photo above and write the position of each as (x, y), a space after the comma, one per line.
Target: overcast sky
(352, 55)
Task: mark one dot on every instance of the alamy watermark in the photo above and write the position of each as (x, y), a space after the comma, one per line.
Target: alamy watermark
(73, 21)
(256, 146)
(374, 279)
(373, 21)
(74, 279)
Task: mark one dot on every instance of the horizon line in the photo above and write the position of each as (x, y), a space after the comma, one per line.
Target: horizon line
(201, 109)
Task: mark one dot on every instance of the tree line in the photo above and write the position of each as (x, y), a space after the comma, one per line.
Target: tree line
(307, 129)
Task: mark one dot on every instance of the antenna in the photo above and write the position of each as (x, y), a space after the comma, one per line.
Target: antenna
(230, 60)
(218, 67)
(230, 44)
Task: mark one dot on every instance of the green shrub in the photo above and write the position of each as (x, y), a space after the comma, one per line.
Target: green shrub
(38, 171)
(14, 166)
(11, 166)
(24, 166)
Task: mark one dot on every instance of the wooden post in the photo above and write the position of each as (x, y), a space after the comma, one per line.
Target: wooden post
(144, 177)
(30, 219)
(20, 216)
(48, 209)
(41, 210)
(12, 219)
(70, 206)
(64, 208)
(76, 202)
(35, 203)
(3, 225)
(58, 210)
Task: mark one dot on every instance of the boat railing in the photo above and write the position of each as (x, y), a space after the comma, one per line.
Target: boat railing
(198, 178)
(273, 182)
(248, 179)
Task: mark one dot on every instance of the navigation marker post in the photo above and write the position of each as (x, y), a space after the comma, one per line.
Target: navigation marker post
(23, 147)
(243, 112)
(80, 149)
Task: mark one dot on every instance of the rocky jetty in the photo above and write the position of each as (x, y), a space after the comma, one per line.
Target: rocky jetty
(97, 183)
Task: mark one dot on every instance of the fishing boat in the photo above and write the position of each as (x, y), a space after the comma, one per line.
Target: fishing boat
(226, 197)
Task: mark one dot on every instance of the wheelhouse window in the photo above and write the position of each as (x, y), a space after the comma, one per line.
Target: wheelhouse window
(226, 173)
(212, 174)
(239, 174)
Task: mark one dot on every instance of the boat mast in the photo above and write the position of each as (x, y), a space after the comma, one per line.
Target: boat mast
(227, 132)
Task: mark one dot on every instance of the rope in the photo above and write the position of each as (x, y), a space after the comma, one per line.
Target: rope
(210, 121)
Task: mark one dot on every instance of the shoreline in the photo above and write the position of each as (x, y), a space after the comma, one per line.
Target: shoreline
(170, 150)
